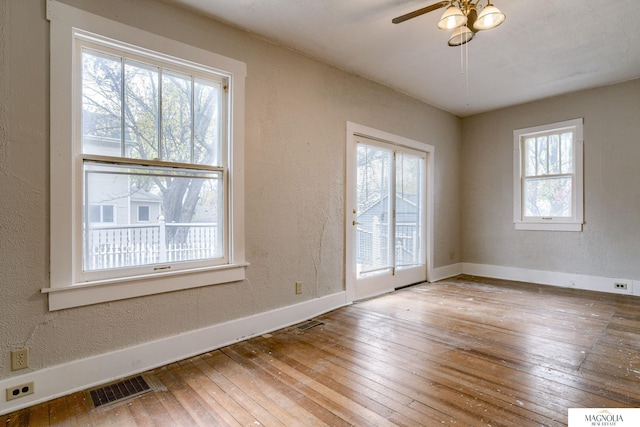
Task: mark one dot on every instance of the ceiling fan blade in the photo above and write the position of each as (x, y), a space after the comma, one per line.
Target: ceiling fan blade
(419, 12)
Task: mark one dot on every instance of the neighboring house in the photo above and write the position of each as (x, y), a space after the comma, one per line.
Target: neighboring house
(125, 206)
(375, 215)
(144, 207)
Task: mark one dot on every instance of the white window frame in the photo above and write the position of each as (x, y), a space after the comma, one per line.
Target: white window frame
(576, 221)
(67, 288)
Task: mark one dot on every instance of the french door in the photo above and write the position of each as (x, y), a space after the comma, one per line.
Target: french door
(388, 211)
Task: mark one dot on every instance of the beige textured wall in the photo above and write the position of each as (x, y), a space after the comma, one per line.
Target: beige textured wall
(295, 144)
(608, 246)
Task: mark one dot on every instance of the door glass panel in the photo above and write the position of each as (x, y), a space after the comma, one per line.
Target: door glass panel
(408, 236)
(373, 215)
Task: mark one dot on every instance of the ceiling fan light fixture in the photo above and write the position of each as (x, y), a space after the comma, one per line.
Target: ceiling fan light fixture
(460, 36)
(463, 17)
(452, 18)
(489, 17)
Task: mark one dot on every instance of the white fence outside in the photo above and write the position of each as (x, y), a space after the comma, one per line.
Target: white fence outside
(114, 246)
(372, 246)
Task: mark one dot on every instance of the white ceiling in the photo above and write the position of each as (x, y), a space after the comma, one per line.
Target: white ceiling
(544, 48)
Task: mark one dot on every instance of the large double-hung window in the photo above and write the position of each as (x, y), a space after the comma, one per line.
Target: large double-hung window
(150, 131)
(144, 124)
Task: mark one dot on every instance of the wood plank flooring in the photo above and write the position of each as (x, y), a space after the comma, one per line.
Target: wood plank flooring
(466, 352)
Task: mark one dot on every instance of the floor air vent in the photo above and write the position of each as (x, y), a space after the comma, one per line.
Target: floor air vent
(120, 390)
(308, 325)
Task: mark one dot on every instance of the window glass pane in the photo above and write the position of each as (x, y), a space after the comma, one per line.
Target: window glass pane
(541, 156)
(207, 123)
(566, 143)
(107, 213)
(95, 213)
(554, 154)
(176, 118)
(189, 227)
(530, 159)
(101, 104)
(143, 213)
(409, 178)
(141, 110)
(547, 197)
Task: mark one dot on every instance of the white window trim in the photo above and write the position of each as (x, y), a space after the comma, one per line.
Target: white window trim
(554, 224)
(65, 290)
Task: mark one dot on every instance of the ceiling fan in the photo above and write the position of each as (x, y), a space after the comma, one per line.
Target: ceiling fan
(465, 17)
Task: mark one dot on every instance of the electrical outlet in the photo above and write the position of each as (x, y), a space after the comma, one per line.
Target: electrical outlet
(620, 285)
(452, 255)
(298, 287)
(19, 358)
(19, 391)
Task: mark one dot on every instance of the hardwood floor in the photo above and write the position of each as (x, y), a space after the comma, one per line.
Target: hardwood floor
(465, 352)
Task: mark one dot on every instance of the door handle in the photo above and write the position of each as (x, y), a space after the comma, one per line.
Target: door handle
(356, 223)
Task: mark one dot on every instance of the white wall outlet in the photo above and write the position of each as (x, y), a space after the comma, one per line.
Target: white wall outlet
(19, 358)
(620, 285)
(298, 287)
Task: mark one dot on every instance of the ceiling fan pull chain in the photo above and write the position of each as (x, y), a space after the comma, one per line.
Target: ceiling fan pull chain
(462, 59)
(466, 89)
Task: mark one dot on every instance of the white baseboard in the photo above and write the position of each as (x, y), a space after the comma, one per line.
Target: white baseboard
(565, 280)
(446, 272)
(81, 374)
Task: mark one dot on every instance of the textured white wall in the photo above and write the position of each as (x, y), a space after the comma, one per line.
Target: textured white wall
(296, 116)
(608, 246)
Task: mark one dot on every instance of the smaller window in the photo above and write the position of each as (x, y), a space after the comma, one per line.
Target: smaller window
(101, 214)
(548, 181)
(143, 213)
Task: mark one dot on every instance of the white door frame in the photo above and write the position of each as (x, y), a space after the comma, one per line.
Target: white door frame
(354, 131)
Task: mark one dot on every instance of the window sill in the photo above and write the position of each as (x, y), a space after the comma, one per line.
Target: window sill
(547, 226)
(81, 294)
